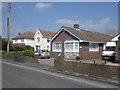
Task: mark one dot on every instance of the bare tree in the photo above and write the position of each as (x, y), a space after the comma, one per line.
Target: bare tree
(111, 32)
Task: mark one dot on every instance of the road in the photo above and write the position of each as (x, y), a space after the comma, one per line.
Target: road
(21, 77)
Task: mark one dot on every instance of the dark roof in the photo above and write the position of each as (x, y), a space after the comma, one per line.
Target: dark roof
(89, 35)
(25, 35)
(47, 33)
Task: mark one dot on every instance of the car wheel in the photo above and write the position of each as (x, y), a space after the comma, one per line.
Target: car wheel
(48, 57)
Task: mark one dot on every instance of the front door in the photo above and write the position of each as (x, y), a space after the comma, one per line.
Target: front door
(37, 48)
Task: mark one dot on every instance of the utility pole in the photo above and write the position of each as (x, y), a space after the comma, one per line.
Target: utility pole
(8, 26)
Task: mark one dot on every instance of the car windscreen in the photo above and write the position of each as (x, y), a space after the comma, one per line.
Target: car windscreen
(110, 49)
(44, 50)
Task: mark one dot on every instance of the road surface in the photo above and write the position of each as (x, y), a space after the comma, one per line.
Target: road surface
(20, 77)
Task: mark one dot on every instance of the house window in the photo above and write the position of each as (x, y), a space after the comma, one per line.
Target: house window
(16, 40)
(37, 48)
(22, 40)
(71, 47)
(48, 47)
(48, 40)
(93, 47)
(38, 39)
(57, 47)
(76, 46)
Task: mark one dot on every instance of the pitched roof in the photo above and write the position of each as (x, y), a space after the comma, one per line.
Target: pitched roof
(46, 33)
(85, 36)
(89, 35)
(116, 37)
(25, 35)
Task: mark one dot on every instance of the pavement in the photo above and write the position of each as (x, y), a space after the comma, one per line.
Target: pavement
(22, 76)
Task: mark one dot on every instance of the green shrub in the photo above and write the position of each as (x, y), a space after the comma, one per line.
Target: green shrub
(28, 48)
(4, 44)
(28, 53)
(77, 58)
(22, 53)
(20, 48)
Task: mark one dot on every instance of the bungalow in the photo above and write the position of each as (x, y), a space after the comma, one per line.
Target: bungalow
(26, 38)
(117, 40)
(72, 42)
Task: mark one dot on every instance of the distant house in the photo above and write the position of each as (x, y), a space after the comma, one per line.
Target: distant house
(117, 40)
(42, 39)
(72, 42)
(39, 40)
(26, 38)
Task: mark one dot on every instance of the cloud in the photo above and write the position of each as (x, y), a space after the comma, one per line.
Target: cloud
(88, 23)
(67, 21)
(105, 21)
(42, 6)
(101, 25)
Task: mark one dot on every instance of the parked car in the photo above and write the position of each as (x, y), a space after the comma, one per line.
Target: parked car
(109, 51)
(44, 53)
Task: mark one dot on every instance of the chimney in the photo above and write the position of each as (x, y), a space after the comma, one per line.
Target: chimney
(19, 33)
(76, 26)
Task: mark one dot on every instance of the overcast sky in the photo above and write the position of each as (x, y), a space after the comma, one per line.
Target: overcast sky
(30, 16)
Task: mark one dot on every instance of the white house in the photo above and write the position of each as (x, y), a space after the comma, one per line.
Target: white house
(115, 39)
(39, 40)
(26, 38)
(42, 39)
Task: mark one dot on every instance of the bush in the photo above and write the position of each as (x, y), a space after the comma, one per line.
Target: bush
(28, 48)
(22, 53)
(77, 58)
(4, 44)
(21, 48)
(28, 53)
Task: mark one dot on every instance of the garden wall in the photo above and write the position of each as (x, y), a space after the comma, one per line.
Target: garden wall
(18, 58)
(97, 70)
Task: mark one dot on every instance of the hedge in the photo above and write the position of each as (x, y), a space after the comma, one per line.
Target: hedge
(21, 53)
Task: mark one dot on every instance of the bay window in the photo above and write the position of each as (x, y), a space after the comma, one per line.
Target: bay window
(71, 46)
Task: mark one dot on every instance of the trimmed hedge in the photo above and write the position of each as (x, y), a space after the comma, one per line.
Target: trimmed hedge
(21, 53)
(21, 48)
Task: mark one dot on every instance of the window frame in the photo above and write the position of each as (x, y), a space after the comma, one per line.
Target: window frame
(48, 40)
(16, 40)
(74, 43)
(92, 49)
(22, 40)
(54, 47)
(38, 39)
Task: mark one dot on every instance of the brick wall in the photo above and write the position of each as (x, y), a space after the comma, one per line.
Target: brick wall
(97, 70)
(117, 55)
(17, 58)
(86, 54)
